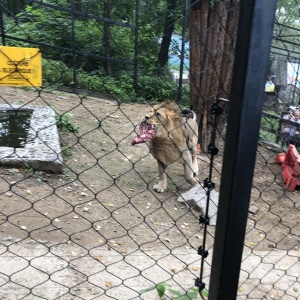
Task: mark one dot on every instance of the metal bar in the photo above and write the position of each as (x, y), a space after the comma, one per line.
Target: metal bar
(73, 43)
(136, 44)
(286, 41)
(81, 14)
(250, 72)
(77, 52)
(284, 25)
(2, 26)
(288, 51)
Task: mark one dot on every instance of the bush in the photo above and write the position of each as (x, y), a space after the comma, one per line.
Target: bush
(156, 88)
(122, 86)
(56, 72)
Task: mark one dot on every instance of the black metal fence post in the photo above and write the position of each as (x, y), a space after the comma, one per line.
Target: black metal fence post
(136, 43)
(2, 27)
(73, 43)
(250, 70)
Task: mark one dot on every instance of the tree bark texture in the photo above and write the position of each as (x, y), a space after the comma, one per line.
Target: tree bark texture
(163, 55)
(212, 42)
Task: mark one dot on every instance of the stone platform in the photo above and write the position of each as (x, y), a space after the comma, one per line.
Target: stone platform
(42, 147)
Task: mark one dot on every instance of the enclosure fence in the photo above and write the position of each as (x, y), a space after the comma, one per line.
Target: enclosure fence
(79, 216)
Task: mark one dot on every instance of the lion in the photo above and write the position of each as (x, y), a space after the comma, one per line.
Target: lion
(172, 135)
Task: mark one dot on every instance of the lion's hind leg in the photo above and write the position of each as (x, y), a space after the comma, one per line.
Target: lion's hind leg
(195, 166)
(189, 168)
(192, 145)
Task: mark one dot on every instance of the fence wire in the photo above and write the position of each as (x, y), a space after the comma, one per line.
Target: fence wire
(95, 228)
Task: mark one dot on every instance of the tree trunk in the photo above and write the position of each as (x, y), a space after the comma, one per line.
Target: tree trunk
(212, 40)
(14, 6)
(163, 55)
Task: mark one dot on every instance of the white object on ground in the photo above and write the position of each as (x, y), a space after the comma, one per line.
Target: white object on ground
(196, 198)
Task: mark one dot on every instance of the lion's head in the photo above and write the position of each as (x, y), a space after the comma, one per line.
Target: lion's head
(161, 123)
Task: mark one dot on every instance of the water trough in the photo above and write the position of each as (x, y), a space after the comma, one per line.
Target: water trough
(41, 148)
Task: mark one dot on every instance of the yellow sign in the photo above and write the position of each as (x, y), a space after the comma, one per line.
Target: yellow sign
(20, 66)
(269, 87)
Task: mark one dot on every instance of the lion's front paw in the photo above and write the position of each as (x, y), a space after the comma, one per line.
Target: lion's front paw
(160, 188)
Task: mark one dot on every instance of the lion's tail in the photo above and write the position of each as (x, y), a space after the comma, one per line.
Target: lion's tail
(194, 116)
(188, 113)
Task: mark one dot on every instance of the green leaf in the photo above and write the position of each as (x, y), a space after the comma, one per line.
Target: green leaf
(176, 293)
(204, 293)
(192, 295)
(161, 289)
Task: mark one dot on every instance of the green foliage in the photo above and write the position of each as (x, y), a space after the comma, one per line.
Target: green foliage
(66, 151)
(191, 294)
(15, 6)
(286, 29)
(156, 88)
(64, 124)
(29, 170)
(150, 87)
(270, 127)
(288, 11)
(56, 72)
(185, 93)
(122, 87)
(161, 288)
(50, 26)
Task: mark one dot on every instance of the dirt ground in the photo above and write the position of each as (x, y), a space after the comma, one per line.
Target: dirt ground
(104, 199)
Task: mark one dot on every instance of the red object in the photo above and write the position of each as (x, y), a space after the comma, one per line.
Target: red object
(280, 158)
(291, 168)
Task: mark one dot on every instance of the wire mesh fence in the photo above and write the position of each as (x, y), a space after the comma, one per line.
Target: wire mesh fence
(95, 228)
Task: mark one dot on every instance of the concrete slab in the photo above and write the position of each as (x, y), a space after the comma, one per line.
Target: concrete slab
(196, 198)
(42, 147)
(68, 271)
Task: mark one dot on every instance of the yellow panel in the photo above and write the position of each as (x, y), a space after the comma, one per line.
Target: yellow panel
(269, 87)
(20, 66)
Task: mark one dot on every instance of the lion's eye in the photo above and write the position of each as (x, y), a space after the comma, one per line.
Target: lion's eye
(157, 114)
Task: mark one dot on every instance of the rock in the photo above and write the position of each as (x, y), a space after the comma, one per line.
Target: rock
(253, 209)
(8, 194)
(272, 245)
(196, 198)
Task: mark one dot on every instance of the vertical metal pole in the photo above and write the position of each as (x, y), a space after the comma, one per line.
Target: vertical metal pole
(184, 28)
(2, 26)
(250, 69)
(73, 43)
(136, 43)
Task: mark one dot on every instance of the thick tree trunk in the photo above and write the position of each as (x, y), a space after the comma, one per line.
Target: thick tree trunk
(228, 59)
(14, 6)
(195, 54)
(212, 39)
(163, 55)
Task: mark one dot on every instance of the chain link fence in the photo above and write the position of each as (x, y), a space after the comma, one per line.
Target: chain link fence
(82, 221)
